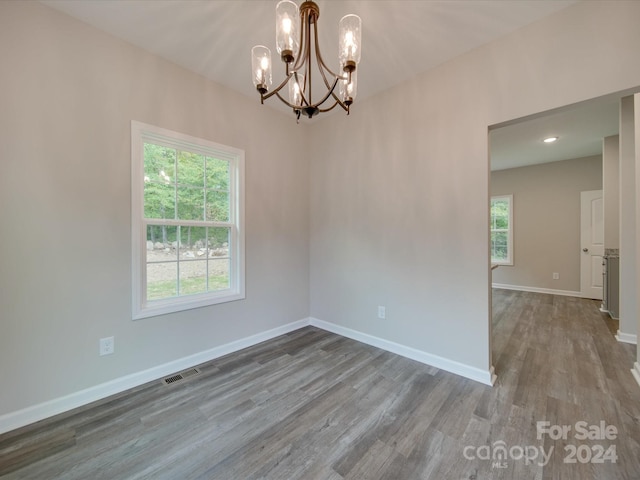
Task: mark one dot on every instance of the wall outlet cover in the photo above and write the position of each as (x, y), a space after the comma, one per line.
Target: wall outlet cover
(107, 346)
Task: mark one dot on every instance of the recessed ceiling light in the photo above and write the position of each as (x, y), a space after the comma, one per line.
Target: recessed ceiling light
(550, 139)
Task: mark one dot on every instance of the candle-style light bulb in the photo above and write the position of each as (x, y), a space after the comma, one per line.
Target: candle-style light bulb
(287, 27)
(349, 48)
(295, 90)
(348, 88)
(261, 66)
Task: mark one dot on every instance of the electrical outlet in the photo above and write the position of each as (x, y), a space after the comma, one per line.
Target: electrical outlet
(556, 276)
(107, 346)
(382, 312)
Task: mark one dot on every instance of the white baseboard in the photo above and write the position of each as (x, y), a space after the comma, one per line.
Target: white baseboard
(26, 416)
(550, 291)
(627, 338)
(35, 413)
(636, 372)
(487, 377)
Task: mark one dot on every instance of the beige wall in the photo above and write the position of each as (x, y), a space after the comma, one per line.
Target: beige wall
(68, 94)
(636, 113)
(628, 246)
(396, 213)
(546, 218)
(611, 190)
(399, 198)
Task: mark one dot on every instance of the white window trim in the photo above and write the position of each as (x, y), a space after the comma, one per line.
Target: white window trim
(141, 308)
(509, 260)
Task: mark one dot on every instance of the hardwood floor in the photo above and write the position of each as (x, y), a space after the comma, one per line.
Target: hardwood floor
(313, 405)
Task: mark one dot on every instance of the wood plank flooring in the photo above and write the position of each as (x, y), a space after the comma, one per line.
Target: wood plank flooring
(313, 405)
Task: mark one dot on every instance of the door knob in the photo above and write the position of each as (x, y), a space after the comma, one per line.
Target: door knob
(585, 250)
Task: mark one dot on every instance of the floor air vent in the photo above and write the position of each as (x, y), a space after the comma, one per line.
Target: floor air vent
(178, 377)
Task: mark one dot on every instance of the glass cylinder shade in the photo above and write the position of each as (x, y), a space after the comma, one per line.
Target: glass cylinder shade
(261, 67)
(287, 30)
(350, 42)
(348, 89)
(295, 90)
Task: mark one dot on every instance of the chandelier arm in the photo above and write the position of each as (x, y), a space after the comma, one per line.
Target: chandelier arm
(321, 60)
(308, 80)
(340, 102)
(304, 102)
(344, 107)
(322, 110)
(320, 64)
(278, 88)
(286, 102)
(307, 104)
(304, 43)
(329, 94)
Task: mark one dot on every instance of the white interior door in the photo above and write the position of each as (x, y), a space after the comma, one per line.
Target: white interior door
(591, 243)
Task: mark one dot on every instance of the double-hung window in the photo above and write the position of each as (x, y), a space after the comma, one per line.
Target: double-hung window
(502, 230)
(187, 221)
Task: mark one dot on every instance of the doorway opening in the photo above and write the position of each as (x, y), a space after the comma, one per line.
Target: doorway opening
(545, 181)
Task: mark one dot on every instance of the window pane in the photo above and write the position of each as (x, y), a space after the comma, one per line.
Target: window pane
(193, 260)
(190, 203)
(159, 200)
(193, 242)
(500, 229)
(190, 169)
(219, 258)
(217, 206)
(217, 174)
(501, 223)
(193, 276)
(219, 241)
(162, 280)
(159, 163)
(499, 255)
(161, 237)
(500, 213)
(162, 262)
(499, 238)
(218, 274)
(187, 236)
(499, 245)
(500, 205)
(159, 176)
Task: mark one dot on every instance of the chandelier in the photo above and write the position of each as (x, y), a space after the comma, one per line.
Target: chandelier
(294, 41)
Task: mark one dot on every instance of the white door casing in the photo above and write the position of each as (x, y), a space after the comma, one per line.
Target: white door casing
(591, 244)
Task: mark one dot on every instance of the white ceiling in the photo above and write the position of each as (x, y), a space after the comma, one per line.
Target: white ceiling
(579, 128)
(400, 40)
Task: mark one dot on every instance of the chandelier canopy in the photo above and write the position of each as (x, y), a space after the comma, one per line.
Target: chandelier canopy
(294, 41)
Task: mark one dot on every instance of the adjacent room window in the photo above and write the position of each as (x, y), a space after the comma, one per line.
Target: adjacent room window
(502, 230)
(187, 221)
